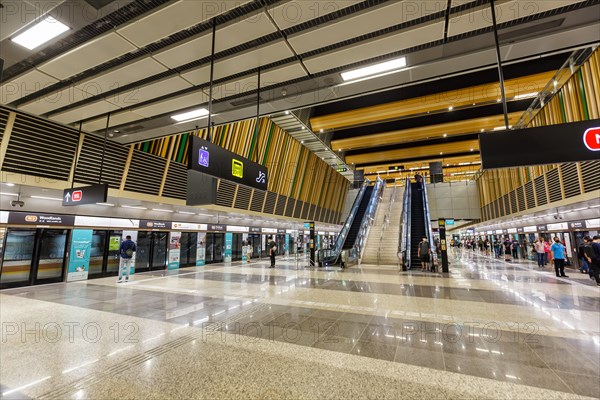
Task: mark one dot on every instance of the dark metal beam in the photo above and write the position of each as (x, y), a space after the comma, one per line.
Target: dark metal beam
(212, 70)
(499, 60)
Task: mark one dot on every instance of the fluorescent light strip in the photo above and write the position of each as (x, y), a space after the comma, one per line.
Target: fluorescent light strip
(47, 198)
(162, 210)
(135, 207)
(9, 194)
(105, 204)
(206, 215)
(526, 96)
(40, 33)
(190, 115)
(501, 128)
(374, 69)
(186, 212)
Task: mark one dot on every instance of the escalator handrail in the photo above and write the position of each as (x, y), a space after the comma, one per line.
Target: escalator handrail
(369, 217)
(427, 216)
(333, 254)
(404, 240)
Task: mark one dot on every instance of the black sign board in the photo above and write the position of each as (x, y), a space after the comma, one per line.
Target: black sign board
(280, 230)
(254, 229)
(146, 224)
(311, 243)
(443, 244)
(520, 230)
(542, 228)
(576, 224)
(85, 195)
(213, 160)
(19, 218)
(217, 228)
(359, 178)
(553, 144)
(436, 172)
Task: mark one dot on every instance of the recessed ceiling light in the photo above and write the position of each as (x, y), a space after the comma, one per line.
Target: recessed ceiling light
(198, 113)
(116, 131)
(134, 207)
(321, 130)
(302, 141)
(105, 204)
(450, 108)
(483, 130)
(10, 184)
(162, 210)
(40, 33)
(441, 153)
(186, 212)
(471, 149)
(287, 113)
(445, 135)
(374, 69)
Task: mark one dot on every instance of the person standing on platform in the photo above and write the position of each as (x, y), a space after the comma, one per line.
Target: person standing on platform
(540, 252)
(272, 251)
(558, 254)
(424, 253)
(547, 252)
(515, 249)
(507, 245)
(126, 251)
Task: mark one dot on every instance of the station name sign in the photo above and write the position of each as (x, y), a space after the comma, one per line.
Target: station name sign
(214, 160)
(553, 144)
(19, 218)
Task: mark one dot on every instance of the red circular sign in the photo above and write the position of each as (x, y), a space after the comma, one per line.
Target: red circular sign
(591, 138)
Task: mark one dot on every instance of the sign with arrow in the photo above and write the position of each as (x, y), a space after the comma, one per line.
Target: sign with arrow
(85, 195)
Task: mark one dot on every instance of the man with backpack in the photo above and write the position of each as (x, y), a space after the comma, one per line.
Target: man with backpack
(126, 251)
(272, 251)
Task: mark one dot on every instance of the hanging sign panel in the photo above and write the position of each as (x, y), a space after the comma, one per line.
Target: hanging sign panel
(85, 195)
(213, 160)
(577, 141)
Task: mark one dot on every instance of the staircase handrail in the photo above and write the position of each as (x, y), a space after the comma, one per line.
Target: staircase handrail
(428, 229)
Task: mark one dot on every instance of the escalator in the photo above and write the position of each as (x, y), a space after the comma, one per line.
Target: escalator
(418, 226)
(356, 224)
(350, 242)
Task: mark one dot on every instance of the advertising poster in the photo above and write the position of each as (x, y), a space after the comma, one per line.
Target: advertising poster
(174, 250)
(114, 243)
(286, 246)
(201, 249)
(133, 235)
(79, 257)
(228, 247)
(245, 248)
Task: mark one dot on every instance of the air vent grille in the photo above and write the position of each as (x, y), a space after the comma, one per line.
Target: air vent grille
(529, 195)
(257, 201)
(506, 202)
(145, 173)
(554, 185)
(176, 182)
(496, 209)
(570, 180)
(270, 203)
(225, 193)
(90, 158)
(289, 208)
(298, 209)
(513, 201)
(590, 172)
(540, 191)
(281, 202)
(242, 200)
(521, 198)
(311, 212)
(305, 211)
(40, 148)
(3, 121)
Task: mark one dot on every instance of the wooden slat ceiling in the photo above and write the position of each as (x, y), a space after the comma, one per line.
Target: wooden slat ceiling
(439, 102)
(424, 132)
(446, 161)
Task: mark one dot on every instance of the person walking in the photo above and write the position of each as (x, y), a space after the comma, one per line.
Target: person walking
(548, 252)
(558, 254)
(126, 251)
(540, 252)
(592, 255)
(584, 267)
(424, 253)
(272, 251)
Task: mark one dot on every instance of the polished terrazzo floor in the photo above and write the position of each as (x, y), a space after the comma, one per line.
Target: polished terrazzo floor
(488, 329)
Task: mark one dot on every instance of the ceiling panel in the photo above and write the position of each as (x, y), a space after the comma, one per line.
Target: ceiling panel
(233, 65)
(55, 100)
(295, 12)
(87, 56)
(376, 47)
(430, 150)
(177, 103)
(268, 78)
(122, 76)
(505, 12)
(144, 93)
(115, 120)
(24, 85)
(227, 37)
(84, 112)
(445, 160)
(395, 13)
(174, 18)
